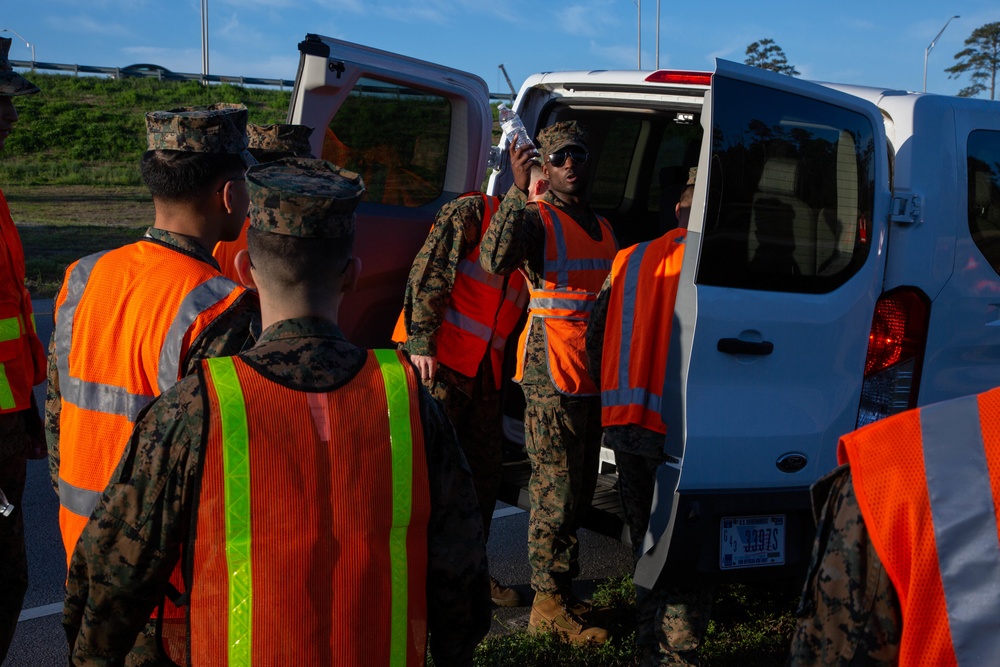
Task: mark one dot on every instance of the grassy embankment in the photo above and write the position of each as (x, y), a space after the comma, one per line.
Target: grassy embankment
(70, 173)
(70, 170)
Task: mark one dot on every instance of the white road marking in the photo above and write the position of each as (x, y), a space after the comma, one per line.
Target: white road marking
(506, 511)
(38, 612)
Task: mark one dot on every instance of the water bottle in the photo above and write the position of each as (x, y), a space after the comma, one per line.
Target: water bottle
(513, 128)
(5, 507)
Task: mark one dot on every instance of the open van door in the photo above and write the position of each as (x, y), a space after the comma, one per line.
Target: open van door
(784, 263)
(419, 135)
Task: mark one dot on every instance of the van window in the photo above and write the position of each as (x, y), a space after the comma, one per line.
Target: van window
(396, 138)
(791, 190)
(615, 162)
(984, 193)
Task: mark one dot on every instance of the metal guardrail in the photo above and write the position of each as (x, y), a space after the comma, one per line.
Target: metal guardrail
(123, 72)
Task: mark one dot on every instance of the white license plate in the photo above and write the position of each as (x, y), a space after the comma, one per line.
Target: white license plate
(751, 541)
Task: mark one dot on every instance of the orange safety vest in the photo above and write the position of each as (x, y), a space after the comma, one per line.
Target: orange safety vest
(482, 312)
(637, 334)
(928, 485)
(225, 253)
(311, 533)
(22, 357)
(124, 321)
(574, 271)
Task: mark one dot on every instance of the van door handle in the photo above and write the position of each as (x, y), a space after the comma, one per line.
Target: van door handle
(737, 346)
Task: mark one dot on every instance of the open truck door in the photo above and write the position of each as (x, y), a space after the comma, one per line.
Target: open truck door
(419, 135)
(784, 264)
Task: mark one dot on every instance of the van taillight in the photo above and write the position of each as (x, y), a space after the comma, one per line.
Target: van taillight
(678, 76)
(896, 345)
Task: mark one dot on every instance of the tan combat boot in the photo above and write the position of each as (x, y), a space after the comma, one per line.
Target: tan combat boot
(503, 596)
(549, 614)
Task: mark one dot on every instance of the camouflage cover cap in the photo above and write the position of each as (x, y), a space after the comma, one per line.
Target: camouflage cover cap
(218, 128)
(12, 83)
(271, 142)
(303, 197)
(562, 134)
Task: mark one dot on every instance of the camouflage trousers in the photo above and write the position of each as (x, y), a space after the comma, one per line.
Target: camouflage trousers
(476, 418)
(146, 651)
(638, 452)
(13, 557)
(671, 624)
(563, 443)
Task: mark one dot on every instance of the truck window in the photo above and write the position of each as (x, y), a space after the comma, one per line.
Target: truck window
(790, 192)
(984, 193)
(397, 139)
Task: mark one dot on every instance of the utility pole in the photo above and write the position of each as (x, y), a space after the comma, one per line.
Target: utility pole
(930, 46)
(513, 93)
(638, 4)
(657, 34)
(204, 41)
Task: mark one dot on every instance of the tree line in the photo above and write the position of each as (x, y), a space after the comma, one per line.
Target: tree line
(979, 60)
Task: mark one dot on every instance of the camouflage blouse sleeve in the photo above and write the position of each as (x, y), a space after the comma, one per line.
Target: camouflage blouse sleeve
(515, 236)
(132, 542)
(233, 331)
(432, 276)
(53, 407)
(849, 614)
(458, 602)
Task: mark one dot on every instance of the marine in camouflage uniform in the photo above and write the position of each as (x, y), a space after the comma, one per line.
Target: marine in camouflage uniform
(562, 432)
(18, 427)
(217, 129)
(850, 613)
(133, 542)
(472, 403)
(673, 618)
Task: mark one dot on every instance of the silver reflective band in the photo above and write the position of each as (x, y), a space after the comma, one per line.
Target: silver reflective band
(629, 299)
(633, 396)
(100, 397)
(566, 265)
(76, 283)
(475, 271)
(77, 500)
(468, 324)
(198, 300)
(965, 526)
(545, 303)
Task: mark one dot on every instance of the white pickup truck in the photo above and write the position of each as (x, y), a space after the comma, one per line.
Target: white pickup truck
(841, 265)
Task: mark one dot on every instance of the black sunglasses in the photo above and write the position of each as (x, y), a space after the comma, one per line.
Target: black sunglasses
(578, 155)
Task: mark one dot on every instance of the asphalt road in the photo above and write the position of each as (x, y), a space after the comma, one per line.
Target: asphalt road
(40, 642)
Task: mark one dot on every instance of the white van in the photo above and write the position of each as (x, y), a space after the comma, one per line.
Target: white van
(841, 265)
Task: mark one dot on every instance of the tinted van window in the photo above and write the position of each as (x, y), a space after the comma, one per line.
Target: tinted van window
(396, 138)
(984, 193)
(790, 192)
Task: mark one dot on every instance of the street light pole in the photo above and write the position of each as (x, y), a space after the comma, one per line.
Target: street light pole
(638, 4)
(930, 46)
(204, 41)
(30, 46)
(657, 34)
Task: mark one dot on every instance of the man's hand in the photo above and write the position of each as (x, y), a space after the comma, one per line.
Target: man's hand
(520, 163)
(426, 366)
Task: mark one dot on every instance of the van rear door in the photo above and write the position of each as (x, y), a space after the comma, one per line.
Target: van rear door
(785, 259)
(419, 135)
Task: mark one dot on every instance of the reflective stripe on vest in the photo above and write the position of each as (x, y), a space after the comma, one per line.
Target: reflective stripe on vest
(112, 399)
(631, 288)
(562, 265)
(236, 480)
(77, 500)
(633, 396)
(10, 329)
(965, 526)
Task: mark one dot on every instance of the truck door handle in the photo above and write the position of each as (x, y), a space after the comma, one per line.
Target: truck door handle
(737, 346)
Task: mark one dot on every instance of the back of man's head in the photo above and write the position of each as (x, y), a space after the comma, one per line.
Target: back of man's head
(194, 150)
(301, 231)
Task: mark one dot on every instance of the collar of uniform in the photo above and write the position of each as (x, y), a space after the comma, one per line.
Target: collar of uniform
(300, 327)
(185, 244)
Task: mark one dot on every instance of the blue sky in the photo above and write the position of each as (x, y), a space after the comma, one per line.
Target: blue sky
(873, 42)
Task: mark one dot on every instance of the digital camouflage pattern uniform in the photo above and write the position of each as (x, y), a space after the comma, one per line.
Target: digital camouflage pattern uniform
(134, 540)
(673, 619)
(472, 403)
(213, 129)
(562, 433)
(850, 612)
(16, 428)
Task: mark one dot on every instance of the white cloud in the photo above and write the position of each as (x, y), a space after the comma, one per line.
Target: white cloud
(86, 25)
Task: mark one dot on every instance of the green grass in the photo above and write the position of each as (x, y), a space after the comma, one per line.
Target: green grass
(91, 130)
